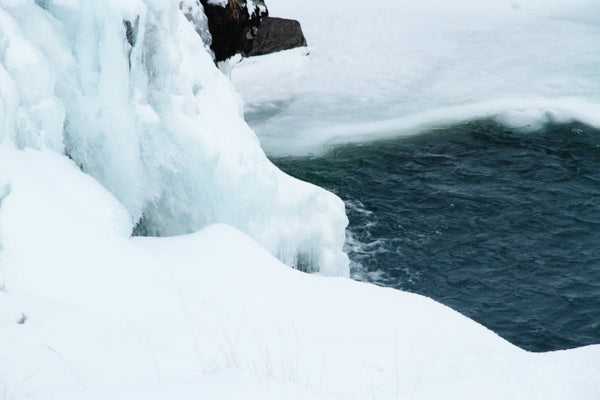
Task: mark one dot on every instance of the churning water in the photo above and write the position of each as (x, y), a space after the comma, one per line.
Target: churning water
(502, 226)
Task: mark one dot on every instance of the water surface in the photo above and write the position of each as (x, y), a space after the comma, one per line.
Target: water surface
(500, 225)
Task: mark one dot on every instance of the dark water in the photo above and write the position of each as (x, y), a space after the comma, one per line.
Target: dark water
(501, 226)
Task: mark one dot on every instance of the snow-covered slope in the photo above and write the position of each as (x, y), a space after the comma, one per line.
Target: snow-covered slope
(153, 130)
(213, 315)
(155, 123)
(382, 68)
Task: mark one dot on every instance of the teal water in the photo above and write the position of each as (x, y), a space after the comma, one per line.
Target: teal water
(500, 225)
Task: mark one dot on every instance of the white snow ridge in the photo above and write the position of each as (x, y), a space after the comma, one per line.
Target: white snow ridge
(112, 116)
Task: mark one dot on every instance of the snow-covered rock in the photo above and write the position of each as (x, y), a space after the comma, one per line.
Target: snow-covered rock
(233, 25)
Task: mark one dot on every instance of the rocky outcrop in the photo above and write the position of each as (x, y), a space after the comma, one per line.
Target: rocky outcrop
(233, 26)
(244, 26)
(276, 34)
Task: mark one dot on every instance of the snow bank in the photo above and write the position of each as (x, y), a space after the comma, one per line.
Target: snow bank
(389, 67)
(128, 90)
(113, 317)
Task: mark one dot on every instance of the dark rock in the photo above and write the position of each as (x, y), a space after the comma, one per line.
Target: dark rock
(244, 26)
(234, 26)
(22, 319)
(276, 34)
(131, 30)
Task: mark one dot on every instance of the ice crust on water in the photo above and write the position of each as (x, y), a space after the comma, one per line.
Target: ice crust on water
(155, 123)
(402, 67)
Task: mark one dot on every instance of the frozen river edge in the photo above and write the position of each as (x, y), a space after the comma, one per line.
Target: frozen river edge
(96, 314)
(98, 133)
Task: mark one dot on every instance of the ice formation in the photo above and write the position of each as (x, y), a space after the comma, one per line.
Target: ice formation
(387, 68)
(128, 90)
(194, 12)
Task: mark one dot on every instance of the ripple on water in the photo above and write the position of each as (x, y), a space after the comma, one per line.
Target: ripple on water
(500, 225)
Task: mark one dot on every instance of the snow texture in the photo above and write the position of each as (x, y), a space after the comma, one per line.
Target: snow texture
(389, 68)
(212, 314)
(129, 92)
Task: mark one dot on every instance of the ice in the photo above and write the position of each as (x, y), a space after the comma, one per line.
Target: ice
(30, 112)
(129, 91)
(221, 3)
(393, 68)
(102, 132)
(194, 12)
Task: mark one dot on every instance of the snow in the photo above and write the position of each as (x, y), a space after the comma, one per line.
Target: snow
(213, 314)
(257, 7)
(194, 12)
(221, 3)
(388, 68)
(96, 133)
(157, 125)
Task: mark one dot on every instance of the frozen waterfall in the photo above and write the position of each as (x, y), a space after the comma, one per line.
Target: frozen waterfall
(129, 91)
